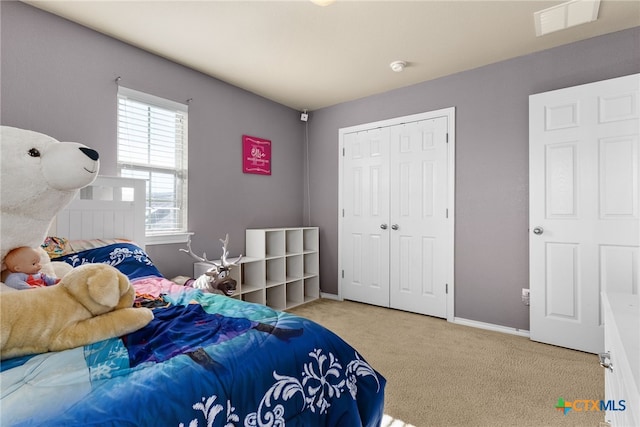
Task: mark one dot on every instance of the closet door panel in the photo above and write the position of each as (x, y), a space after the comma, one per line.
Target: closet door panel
(366, 217)
(418, 183)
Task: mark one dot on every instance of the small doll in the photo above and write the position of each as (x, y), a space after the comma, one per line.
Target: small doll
(24, 266)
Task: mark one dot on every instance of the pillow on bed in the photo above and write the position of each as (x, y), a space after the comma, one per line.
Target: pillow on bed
(55, 246)
(59, 246)
(124, 255)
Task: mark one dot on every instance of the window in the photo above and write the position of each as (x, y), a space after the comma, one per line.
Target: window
(152, 145)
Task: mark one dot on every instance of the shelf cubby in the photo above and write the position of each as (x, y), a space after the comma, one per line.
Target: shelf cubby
(276, 271)
(275, 243)
(311, 288)
(295, 293)
(294, 267)
(310, 242)
(256, 296)
(253, 274)
(276, 297)
(294, 241)
(311, 264)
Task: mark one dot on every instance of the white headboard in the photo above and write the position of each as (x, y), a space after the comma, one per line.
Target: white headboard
(111, 207)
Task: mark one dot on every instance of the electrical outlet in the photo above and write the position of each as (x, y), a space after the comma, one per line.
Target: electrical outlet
(525, 296)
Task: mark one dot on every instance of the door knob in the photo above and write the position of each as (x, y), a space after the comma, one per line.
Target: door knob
(605, 360)
(383, 226)
(538, 230)
(394, 227)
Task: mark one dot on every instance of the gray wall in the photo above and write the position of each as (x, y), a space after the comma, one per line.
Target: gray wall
(59, 78)
(491, 219)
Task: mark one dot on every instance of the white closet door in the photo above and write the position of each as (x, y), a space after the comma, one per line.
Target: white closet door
(583, 166)
(396, 213)
(365, 241)
(419, 232)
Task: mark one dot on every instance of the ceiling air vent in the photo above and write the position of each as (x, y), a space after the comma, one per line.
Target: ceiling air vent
(565, 15)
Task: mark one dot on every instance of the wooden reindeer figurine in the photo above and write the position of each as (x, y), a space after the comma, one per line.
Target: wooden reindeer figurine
(216, 279)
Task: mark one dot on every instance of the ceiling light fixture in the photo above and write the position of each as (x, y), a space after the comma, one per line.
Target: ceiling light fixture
(322, 2)
(398, 66)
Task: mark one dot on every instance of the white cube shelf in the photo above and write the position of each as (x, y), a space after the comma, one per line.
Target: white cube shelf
(280, 269)
(291, 263)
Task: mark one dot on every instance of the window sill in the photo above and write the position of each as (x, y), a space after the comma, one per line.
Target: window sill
(167, 239)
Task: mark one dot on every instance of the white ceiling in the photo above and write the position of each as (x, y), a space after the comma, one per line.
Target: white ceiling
(308, 57)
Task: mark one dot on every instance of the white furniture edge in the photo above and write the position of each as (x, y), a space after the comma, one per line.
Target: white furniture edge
(100, 211)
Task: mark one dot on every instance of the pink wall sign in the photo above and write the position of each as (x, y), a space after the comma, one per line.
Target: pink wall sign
(256, 155)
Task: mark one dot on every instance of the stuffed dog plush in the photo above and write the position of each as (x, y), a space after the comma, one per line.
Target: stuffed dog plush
(91, 303)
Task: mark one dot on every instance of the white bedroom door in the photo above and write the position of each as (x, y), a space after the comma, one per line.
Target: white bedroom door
(396, 235)
(583, 154)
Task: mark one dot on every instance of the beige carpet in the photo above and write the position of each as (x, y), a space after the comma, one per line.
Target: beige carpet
(443, 374)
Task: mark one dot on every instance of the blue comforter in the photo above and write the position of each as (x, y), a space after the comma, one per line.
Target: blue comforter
(205, 360)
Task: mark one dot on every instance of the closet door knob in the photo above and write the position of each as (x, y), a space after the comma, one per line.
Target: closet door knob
(383, 226)
(394, 227)
(538, 230)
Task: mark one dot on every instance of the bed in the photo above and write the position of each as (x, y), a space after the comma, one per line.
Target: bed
(205, 360)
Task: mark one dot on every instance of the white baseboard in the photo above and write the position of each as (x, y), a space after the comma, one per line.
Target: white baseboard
(460, 321)
(491, 327)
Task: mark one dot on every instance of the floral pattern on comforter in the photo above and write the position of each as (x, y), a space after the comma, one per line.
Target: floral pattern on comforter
(223, 362)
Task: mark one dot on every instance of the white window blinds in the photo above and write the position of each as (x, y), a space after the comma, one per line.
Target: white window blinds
(152, 145)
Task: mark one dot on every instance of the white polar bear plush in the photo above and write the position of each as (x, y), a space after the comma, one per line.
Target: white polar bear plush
(39, 177)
